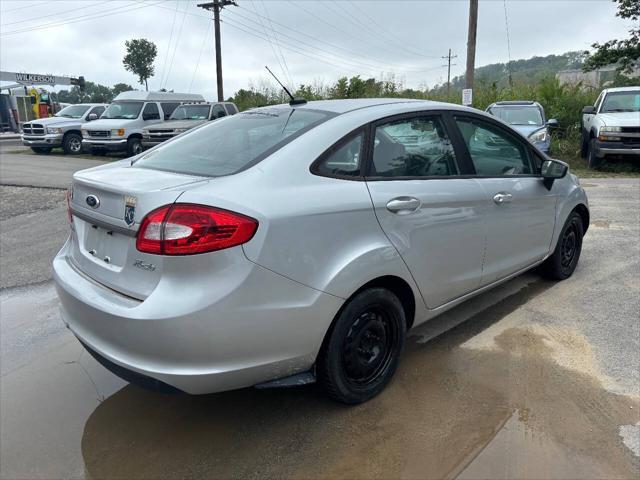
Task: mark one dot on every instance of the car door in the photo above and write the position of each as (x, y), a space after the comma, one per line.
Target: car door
(433, 216)
(151, 114)
(520, 209)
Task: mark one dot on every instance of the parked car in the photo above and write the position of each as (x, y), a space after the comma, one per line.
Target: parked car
(61, 130)
(120, 127)
(612, 126)
(289, 244)
(528, 118)
(184, 118)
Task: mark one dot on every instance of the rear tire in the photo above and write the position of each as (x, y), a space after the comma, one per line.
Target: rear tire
(593, 161)
(134, 146)
(72, 144)
(42, 150)
(562, 263)
(362, 350)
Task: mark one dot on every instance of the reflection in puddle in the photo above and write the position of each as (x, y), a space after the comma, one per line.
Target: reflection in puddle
(460, 405)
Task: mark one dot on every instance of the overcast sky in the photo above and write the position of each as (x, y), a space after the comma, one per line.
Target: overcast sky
(318, 40)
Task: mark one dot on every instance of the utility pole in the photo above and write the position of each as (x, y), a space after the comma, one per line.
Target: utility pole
(471, 43)
(216, 6)
(448, 65)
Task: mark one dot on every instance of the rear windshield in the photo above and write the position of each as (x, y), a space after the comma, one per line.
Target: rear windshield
(518, 115)
(233, 143)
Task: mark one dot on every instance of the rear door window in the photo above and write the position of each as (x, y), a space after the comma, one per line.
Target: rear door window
(231, 108)
(493, 151)
(233, 143)
(413, 147)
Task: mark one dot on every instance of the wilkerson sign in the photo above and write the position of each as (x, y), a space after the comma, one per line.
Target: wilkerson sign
(39, 79)
(31, 78)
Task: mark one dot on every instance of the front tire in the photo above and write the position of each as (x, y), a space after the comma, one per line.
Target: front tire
(593, 161)
(362, 351)
(72, 144)
(134, 146)
(562, 263)
(584, 144)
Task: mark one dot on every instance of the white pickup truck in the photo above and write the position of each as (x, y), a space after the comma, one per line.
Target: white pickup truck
(612, 126)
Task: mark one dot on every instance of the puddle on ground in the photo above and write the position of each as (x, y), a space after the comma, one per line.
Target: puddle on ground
(477, 401)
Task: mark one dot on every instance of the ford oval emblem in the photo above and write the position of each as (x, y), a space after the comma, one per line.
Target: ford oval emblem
(92, 201)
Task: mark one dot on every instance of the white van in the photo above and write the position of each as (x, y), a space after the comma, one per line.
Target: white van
(120, 126)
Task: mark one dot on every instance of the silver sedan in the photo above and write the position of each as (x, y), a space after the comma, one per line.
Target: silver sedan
(299, 243)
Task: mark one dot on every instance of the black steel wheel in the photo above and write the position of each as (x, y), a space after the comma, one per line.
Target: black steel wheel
(361, 352)
(562, 263)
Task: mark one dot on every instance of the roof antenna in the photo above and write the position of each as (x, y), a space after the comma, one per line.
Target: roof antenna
(294, 101)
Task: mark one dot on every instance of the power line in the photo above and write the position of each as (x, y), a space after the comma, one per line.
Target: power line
(81, 18)
(251, 31)
(506, 22)
(343, 65)
(54, 14)
(397, 40)
(333, 47)
(23, 7)
(204, 41)
(278, 57)
(175, 47)
(166, 57)
(275, 36)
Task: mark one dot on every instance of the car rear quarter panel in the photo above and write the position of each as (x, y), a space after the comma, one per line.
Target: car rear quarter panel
(321, 232)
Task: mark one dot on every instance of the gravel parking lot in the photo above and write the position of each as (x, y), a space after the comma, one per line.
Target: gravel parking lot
(533, 379)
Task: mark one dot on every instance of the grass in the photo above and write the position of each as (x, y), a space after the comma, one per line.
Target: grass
(568, 150)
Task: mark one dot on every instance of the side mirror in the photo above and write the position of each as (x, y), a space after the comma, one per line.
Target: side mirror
(553, 123)
(589, 110)
(92, 116)
(553, 170)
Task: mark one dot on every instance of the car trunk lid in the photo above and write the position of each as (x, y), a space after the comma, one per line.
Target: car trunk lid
(108, 204)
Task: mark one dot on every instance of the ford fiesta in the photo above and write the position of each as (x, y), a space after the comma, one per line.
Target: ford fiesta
(300, 242)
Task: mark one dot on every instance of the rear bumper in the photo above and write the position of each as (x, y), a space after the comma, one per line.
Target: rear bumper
(48, 140)
(196, 333)
(111, 145)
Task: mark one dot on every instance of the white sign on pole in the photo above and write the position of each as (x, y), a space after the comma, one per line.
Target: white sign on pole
(467, 97)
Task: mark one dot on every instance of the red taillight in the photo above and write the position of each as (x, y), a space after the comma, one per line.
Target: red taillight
(185, 229)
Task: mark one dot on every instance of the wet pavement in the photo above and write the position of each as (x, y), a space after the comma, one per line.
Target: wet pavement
(533, 379)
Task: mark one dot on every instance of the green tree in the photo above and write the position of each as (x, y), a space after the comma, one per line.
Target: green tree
(626, 52)
(120, 87)
(141, 53)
